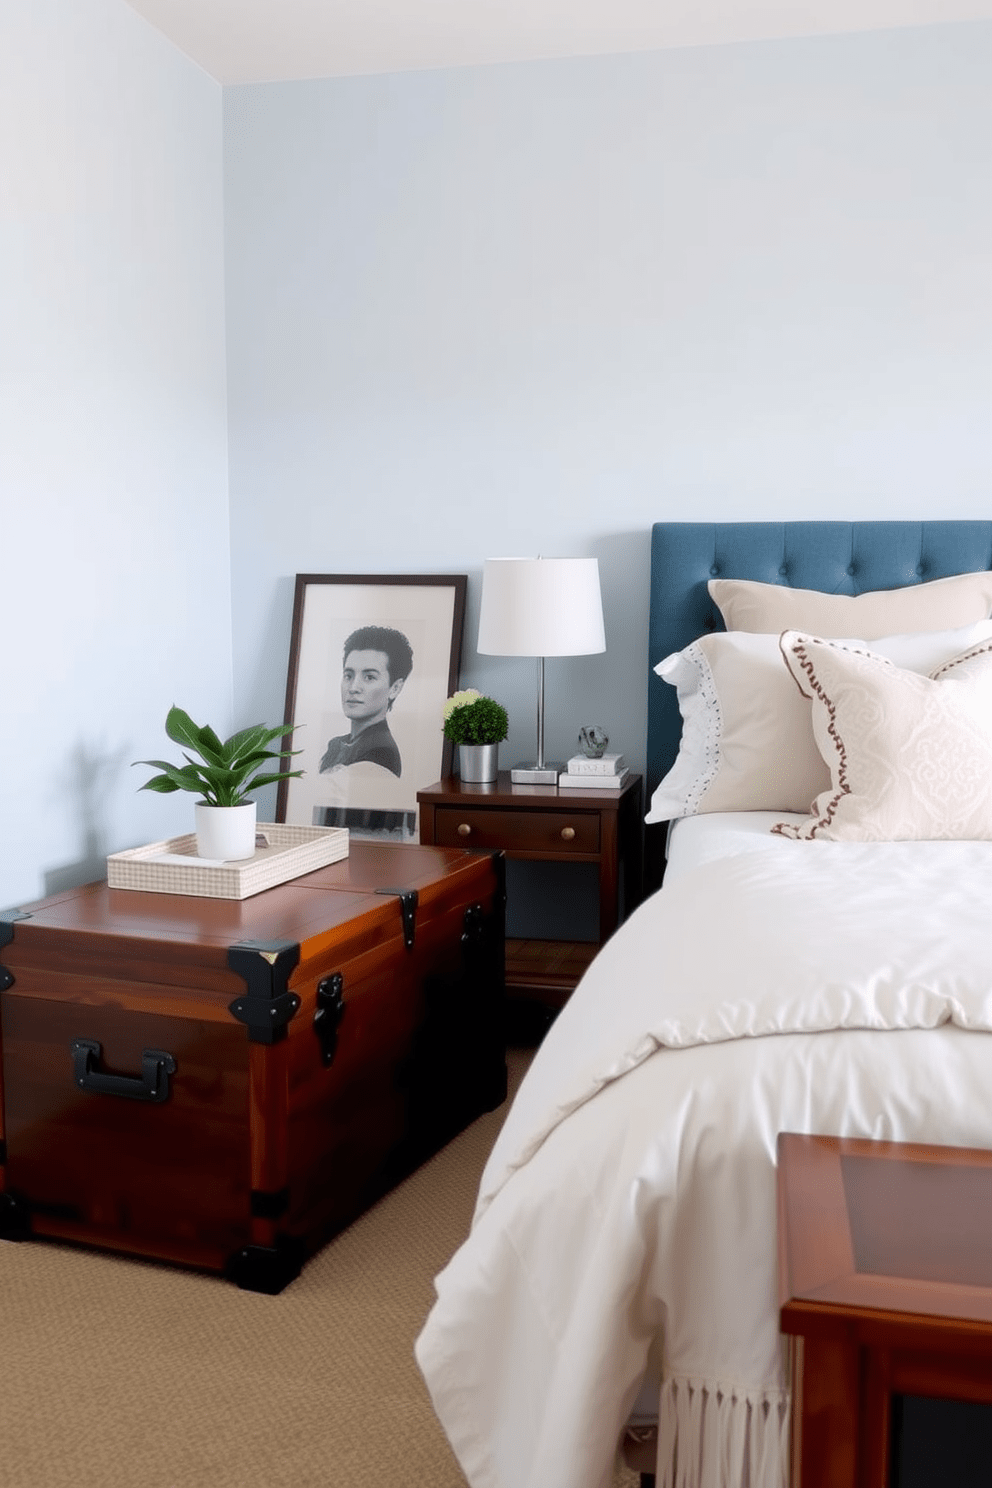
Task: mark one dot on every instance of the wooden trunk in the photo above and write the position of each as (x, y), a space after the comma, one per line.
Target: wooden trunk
(226, 1084)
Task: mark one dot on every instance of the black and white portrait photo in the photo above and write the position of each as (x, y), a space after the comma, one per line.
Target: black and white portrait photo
(372, 661)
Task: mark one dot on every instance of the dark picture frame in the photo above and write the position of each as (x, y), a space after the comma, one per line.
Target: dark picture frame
(370, 733)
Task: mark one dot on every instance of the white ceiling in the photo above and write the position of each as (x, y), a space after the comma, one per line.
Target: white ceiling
(240, 41)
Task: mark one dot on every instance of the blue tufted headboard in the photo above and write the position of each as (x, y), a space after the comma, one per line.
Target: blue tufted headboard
(835, 557)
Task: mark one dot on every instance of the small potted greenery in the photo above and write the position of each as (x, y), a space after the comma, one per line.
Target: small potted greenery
(222, 776)
(478, 726)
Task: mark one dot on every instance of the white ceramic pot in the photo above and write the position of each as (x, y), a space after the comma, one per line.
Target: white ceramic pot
(478, 764)
(226, 832)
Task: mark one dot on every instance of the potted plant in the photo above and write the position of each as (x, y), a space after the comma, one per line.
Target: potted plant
(478, 726)
(222, 776)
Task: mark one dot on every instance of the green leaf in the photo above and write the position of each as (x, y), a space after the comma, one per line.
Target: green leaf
(187, 779)
(249, 761)
(244, 741)
(180, 727)
(261, 780)
(209, 740)
(280, 732)
(160, 783)
(182, 730)
(253, 740)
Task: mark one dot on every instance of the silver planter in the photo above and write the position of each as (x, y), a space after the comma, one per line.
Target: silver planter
(478, 764)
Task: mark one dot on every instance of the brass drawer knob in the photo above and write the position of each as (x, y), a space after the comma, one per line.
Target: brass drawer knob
(567, 833)
(464, 830)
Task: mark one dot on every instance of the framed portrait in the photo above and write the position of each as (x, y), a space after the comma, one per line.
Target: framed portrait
(372, 660)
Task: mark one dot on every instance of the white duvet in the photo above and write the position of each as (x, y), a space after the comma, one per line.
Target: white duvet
(800, 986)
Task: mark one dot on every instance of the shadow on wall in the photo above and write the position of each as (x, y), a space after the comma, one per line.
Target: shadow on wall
(87, 785)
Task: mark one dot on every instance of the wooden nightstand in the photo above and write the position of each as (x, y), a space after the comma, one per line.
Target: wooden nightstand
(544, 824)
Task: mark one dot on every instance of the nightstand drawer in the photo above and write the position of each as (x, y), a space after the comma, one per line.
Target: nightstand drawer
(558, 832)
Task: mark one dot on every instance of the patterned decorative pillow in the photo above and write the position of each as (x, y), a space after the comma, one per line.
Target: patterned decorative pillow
(747, 604)
(747, 734)
(910, 757)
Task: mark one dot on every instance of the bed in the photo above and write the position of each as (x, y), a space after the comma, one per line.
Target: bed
(806, 970)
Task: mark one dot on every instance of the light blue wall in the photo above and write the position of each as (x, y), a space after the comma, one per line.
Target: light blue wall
(533, 308)
(496, 310)
(114, 539)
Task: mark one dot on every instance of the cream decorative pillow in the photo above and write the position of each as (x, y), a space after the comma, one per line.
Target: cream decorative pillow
(747, 734)
(910, 757)
(942, 604)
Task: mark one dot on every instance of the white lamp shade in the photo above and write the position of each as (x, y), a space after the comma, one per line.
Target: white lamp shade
(541, 607)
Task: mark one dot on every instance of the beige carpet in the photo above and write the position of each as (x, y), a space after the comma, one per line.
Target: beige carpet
(120, 1374)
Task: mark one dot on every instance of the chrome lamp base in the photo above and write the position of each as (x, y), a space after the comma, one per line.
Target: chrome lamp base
(540, 774)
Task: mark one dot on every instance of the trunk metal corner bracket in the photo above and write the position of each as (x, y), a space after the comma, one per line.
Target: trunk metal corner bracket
(408, 908)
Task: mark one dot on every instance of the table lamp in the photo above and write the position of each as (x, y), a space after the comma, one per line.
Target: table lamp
(540, 607)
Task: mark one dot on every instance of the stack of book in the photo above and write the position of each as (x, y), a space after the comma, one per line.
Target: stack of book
(606, 773)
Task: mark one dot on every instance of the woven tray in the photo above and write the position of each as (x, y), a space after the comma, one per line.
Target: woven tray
(172, 867)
